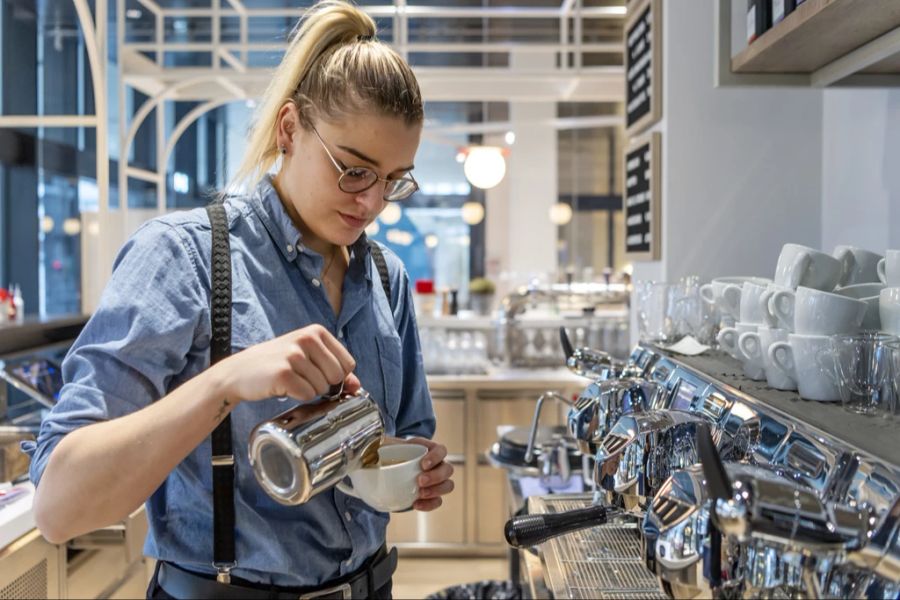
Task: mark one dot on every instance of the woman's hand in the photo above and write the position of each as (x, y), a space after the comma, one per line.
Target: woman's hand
(434, 480)
(302, 365)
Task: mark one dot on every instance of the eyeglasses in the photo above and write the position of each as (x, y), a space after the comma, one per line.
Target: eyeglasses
(355, 180)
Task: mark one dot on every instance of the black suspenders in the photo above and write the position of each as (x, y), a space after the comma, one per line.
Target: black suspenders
(220, 347)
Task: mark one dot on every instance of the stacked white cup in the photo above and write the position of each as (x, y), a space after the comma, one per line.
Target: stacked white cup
(889, 297)
(751, 319)
(807, 312)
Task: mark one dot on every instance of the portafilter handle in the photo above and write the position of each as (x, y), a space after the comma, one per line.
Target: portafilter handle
(525, 531)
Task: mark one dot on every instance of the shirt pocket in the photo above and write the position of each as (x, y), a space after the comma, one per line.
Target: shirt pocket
(389, 358)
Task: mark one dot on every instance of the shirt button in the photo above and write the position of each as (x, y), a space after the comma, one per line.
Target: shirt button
(340, 334)
(348, 516)
(290, 248)
(316, 282)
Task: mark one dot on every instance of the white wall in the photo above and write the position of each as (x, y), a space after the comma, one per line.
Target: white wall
(861, 169)
(741, 166)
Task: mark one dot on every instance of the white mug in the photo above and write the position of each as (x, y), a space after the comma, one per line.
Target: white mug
(800, 265)
(391, 485)
(756, 347)
(808, 360)
(889, 310)
(729, 340)
(857, 265)
(725, 293)
(751, 309)
(814, 312)
(769, 319)
(868, 293)
(889, 268)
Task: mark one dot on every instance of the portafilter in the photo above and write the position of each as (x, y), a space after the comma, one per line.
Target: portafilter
(602, 403)
(641, 451)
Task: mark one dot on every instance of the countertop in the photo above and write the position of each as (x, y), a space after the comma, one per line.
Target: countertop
(510, 378)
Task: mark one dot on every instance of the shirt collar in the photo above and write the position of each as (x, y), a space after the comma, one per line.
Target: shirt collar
(287, 237)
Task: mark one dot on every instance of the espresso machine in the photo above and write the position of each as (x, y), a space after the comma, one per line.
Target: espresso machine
(737, 490)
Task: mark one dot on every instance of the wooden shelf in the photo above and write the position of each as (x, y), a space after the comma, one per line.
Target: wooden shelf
(819, 32)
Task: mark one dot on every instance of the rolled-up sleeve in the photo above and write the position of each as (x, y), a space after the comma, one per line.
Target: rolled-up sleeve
(138, 340)
(416, 414)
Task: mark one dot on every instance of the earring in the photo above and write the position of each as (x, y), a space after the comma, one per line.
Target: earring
(283, 150)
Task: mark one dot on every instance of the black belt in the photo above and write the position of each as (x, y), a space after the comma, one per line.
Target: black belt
(183, 584)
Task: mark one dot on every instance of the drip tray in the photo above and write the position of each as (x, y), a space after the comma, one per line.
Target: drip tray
(600, 562)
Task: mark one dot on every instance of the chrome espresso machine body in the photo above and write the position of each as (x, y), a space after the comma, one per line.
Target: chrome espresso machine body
(810, 506)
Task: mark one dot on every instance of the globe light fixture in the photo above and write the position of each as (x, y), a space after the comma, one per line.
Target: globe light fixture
(472, 213)
(560, 213)
(431, 240)
(484, 166)
(373, 229)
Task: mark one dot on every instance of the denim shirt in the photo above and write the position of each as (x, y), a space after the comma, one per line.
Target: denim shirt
(151, 333)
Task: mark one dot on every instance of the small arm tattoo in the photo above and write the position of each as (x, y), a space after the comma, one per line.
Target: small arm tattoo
(222, 410)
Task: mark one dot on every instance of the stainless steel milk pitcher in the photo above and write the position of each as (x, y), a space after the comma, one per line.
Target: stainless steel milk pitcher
(311, 447)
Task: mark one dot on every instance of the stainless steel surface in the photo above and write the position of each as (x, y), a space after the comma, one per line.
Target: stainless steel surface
(815, 512)
(602, 403)
(600, 562)
(310, 448)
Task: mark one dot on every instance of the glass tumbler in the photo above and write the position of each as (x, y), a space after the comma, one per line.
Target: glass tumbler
(893, 355)
(862, 367)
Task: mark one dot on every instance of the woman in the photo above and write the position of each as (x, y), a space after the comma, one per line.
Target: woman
(340, 123)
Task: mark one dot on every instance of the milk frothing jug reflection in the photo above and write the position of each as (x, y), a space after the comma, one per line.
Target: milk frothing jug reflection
(309, 448)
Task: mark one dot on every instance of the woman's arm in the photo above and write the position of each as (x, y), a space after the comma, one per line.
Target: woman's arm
(98, 474)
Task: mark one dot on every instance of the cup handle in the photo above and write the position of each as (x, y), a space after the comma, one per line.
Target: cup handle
(347, 489)
(727, 339)
(801, 264)
(706, 293)
(880, 269)
(784, 316)
(731, 299)
(848, 262)
(764, 307)
(750, 346)
(784, 365)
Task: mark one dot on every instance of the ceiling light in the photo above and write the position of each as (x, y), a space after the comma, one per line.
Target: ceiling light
(560, 213)
(133, 13)
(461, 156)
(473, 213)
(391, 214)
(47, 224)
(431, 240)
(399, 237)
(485, 166)
(373, 229)
(510, 138)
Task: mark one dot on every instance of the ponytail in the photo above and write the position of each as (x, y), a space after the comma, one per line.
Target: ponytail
(333, 66)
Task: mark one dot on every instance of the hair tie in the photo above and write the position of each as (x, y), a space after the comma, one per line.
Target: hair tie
(365, 38)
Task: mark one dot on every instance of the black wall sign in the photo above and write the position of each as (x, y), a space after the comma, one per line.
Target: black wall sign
(642, 174)
(643, 87)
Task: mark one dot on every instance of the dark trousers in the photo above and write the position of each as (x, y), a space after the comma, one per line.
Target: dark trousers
(155, 591)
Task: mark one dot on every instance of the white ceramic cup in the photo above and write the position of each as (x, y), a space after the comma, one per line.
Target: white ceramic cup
(814, 312)
(725, 293)
(808, 360)
(751, 308)
(770, 320)
(389, 487)
(868, 293)
(857, 265)
(889, 268)
(729, 339)
(755, 346)
(800, 265)
(889, 310)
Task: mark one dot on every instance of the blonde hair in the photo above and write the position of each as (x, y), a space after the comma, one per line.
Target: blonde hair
(333, 66)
